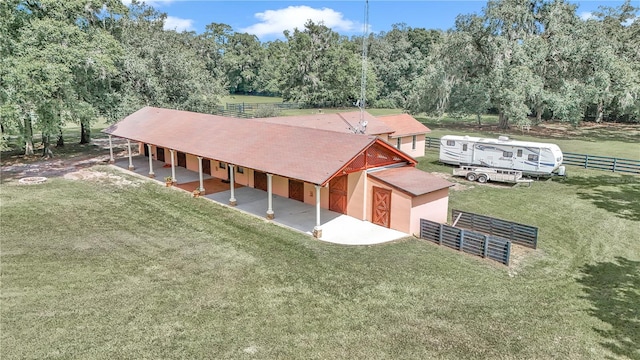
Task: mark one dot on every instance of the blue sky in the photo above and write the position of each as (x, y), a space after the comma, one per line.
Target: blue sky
(268, 19)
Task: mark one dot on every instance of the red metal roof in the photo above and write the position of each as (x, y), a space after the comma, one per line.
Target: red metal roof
(310, 155)
(341, 122)
(411, 180)
(404, 125)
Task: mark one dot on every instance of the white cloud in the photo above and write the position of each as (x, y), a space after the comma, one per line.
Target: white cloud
(586, 15)
(178, 24)
(630, 21)
(274, 22)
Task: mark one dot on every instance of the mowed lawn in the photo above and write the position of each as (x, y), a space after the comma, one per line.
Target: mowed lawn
(101, 270)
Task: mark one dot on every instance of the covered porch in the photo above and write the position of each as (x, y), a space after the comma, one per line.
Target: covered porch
(336, 228)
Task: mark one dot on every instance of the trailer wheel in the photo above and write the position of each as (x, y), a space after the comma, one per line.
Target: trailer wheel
(482, 178)
(472, 176)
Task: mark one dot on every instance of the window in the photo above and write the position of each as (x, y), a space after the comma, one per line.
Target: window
(533, 157)
(222, 165)
(240, 170)
(398, 142)
(413, 142)
(451, 143)
(519, 152)
(464, 147)
(507, 154)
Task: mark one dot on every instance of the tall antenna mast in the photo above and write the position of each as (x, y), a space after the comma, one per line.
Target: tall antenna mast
(362, 124)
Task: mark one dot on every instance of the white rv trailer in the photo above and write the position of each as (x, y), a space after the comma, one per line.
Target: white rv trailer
(532, 158)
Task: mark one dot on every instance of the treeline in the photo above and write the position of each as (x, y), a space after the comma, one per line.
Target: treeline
(526, 61)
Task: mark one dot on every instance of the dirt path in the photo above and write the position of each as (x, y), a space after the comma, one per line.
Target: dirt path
(69, 159)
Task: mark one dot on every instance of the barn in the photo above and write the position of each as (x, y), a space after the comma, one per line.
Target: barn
(359, 175)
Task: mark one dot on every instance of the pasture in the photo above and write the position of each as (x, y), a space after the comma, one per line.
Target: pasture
(121, 267)
(113, 268)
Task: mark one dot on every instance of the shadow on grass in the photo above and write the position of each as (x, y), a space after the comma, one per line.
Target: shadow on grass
(617, 194)
(613, 288)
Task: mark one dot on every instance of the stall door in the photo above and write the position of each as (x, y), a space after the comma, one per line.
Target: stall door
(296, 190)
(381, 207)
(182, 159)
(160, 153)
(206, 166)
(260, 180)
(338, 194)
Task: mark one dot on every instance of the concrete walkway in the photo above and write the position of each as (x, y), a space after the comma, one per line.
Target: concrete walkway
(336, 228)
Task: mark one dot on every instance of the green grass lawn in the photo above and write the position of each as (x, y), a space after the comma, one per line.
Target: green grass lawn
(98, 270)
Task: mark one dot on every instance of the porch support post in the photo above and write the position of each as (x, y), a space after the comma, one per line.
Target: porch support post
(270, 214)
(232, 199)
(173, 167)
(200, 173)
(131, 167)
(111, 159)
(317, 231)
(151, 173)
(364, 197)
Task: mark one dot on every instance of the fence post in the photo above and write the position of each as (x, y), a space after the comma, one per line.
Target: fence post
(485, 249)
(461, 239)
(440, 235)
(615, 161)
(586, 161)
(508, 253)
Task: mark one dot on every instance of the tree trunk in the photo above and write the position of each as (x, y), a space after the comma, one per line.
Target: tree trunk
(503, 121)
(599, 112)
(85, 133)
(28, 137)
(539, 111)
(479, 119)
(46, 146)
(60, 142)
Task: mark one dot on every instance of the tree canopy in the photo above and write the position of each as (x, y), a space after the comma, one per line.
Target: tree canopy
(525, 60)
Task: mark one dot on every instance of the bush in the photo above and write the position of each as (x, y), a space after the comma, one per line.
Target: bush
(266, 111)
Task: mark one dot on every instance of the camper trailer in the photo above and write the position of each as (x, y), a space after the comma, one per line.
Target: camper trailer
(532, 158)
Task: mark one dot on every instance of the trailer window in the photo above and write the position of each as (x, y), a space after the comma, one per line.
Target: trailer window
(413, 142)
(519, 152)
(507, 154)
(451, 143)
(533, 157)
(464, 147)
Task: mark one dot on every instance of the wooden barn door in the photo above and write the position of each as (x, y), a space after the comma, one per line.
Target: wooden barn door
(260, 180)
(206, 166)
(338, 194)
(296, 190)
(381, 213)
(160, 153)
(182, 159)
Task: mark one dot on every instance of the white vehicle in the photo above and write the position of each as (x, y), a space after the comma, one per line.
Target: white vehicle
(532, 158)
(483, 174)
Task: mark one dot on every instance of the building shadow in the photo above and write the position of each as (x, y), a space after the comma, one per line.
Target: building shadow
(617, 194)
(613, 289)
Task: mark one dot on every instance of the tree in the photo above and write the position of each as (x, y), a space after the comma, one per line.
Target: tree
(55, 50)
(321, 69)
(397, 57)
(162, 68)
